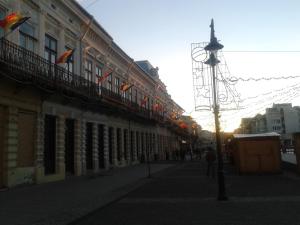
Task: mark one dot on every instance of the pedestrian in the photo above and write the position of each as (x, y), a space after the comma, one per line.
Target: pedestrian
(210, 160)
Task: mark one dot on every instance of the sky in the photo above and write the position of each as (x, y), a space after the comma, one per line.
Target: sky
(261, 40)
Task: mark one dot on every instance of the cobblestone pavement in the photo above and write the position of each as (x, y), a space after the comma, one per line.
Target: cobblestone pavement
(61, 202)
(184, 196)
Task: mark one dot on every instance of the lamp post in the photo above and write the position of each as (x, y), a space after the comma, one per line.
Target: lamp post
(213, 48)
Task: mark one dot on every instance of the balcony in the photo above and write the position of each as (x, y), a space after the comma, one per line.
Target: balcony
(28, 68)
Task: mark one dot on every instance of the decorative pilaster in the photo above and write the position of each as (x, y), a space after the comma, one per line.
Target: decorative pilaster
(11, 145)
(133, 138)
(144, 146)
(77, 148)
(128, 146)
(114, 146)
(105, 147)
(60, 143)
(158, 146)
(155, 146)
(153, 150)
(95, 148)
(83, 145)
(40, 147)
(121, 142)
(162, 152)
(138, 150)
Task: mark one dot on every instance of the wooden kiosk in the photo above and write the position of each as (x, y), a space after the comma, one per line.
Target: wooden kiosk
(257, 153)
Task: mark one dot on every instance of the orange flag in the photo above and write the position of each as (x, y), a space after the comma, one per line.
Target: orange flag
(105, 75)
(183, 125)
(125, 86)
(65, 57)
(12, 21)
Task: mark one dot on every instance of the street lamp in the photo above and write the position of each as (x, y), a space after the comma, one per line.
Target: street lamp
(213, 48)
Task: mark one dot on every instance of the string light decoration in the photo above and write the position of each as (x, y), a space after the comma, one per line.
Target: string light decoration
(228, 97)
(236, 79)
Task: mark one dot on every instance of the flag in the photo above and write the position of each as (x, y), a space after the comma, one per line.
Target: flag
(105, 75)
(65, 57)
(156, 107)
(12, 21)
(183, 125)
(144, 100)
(125, 86)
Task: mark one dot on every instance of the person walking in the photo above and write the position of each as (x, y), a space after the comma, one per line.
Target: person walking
(210, 160)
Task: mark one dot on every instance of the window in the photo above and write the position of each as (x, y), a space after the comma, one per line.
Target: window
(88, 70)
(27, 39)
(70, 65)
(109, 83)
(50, 49)
(117, 85)
(98, 74)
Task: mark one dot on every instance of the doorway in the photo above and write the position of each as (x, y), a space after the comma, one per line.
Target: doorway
(50, 144)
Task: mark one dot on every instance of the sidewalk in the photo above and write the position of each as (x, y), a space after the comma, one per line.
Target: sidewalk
(62, 202)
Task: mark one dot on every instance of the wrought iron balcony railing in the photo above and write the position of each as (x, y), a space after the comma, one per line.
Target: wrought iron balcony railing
(26, 67)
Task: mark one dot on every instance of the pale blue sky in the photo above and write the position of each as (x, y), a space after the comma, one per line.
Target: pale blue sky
(162, 31)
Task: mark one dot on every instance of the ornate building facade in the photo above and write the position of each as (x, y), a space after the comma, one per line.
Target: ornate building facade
(67, 119)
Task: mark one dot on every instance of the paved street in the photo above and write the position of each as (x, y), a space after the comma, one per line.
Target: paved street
(184, 195)
(61, 202)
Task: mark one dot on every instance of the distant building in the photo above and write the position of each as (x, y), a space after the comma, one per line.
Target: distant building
(283, 119)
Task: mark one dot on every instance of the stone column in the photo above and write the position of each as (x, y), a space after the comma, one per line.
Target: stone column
(159, 147)
(134, 146)
(95, 148)
(147, 146)
(167, 146)
(105, 146)
(155, 146)
(139, 149)
(163, 150)
(144, 146)
(11, 146)
(77, 148)
(114, 147)
(39, 167)
(60, 146)
(121, 141)
(128, 146)
(83, 146)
